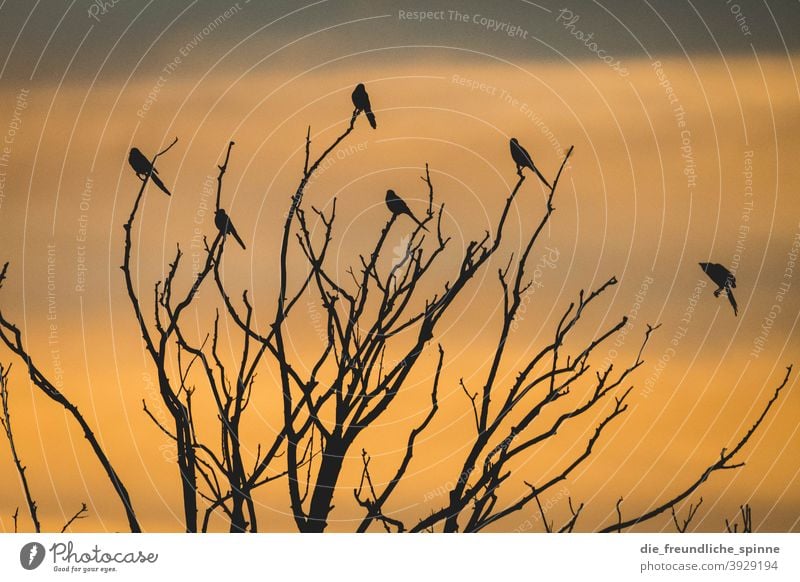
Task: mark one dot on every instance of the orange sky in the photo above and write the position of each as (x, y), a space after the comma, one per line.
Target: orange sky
(632, 203)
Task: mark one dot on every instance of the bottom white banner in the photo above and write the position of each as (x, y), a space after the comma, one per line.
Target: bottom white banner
(353, 557)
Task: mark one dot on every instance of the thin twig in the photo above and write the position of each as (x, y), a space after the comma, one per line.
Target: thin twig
(682, 527)
(79, 515)
(5, 421)
(723, 463)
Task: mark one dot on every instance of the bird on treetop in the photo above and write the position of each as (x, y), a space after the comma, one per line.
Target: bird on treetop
(143, 168)
(523, 159)
(361, 103)
(397, 206)
(225, 226)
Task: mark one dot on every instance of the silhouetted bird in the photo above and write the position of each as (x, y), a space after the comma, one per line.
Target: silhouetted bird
(361, 103)
(225, 226)
(142, 166)
(523, 160)
(397, 207)
(724, 279)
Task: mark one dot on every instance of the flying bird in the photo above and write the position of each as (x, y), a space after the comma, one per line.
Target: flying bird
(143, 168)
(361, 103)
(225, 226)
(397, 206)
(524, 160)
(724, 280)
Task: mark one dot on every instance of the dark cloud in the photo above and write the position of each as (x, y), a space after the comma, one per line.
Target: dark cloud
(84, 39)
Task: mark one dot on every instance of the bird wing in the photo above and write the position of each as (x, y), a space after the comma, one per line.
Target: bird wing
(733, 302)
(360, 98)
(135, 160)
(713, 273)
(395, 203)
(520, 155)
(719, 274)
(143, 161)
(526, 156)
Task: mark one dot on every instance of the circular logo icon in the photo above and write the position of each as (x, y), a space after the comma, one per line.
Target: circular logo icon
(31, 555)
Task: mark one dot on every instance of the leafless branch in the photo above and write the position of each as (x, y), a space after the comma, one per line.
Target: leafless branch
(6, 423)
(723, 463)
(747, 521)
(80, 514)
(548, 527)
(375, 508)
(12, 338)
(682, 527)
(570, 525)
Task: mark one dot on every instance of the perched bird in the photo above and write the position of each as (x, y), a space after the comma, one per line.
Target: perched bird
(143, 168)
(724, 280)
(523, 160)
(397, 206)
(361, 103)
(225, 226)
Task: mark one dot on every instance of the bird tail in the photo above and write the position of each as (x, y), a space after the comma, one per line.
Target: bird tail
(542, 178)
(157, 181)
(238, 239)
(733, 302)
(371, 119)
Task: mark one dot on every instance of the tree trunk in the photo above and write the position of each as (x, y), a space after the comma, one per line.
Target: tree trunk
(331, 466)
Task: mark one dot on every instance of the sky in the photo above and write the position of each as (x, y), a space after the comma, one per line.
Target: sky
(684, 117)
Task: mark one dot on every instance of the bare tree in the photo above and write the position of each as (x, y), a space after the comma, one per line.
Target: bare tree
(330, 399)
